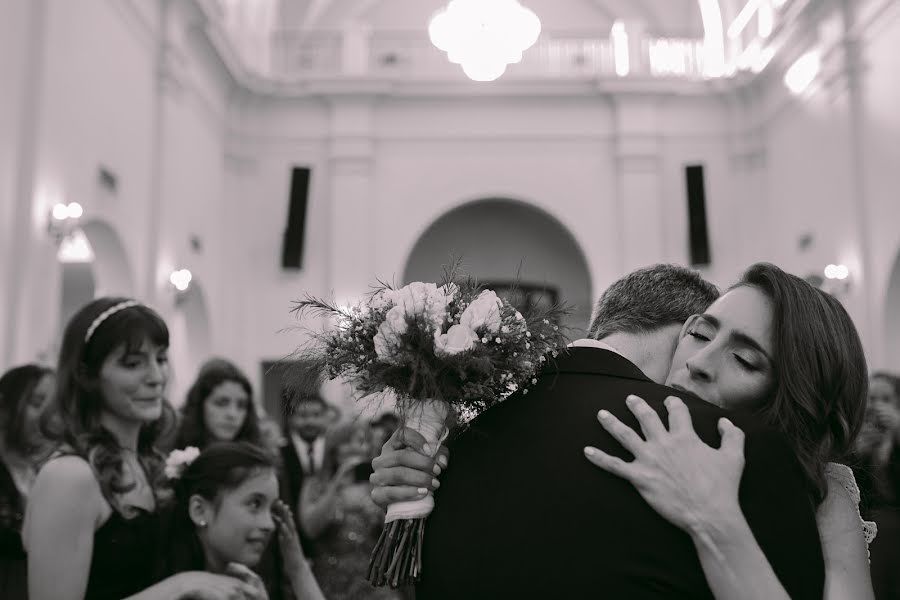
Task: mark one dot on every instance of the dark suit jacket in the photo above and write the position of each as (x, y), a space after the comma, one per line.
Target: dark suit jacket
(522, 514)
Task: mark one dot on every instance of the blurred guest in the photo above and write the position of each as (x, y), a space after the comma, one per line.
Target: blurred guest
(25, 393)
(336, 509)
(225, 512)
(219, 408)
(307, 418)
(383, 428)
(878, 451)
(91, 523)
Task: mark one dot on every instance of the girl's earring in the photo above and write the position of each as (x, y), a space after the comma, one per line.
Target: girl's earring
(202, 523)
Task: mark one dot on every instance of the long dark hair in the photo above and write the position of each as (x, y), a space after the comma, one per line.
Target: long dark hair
(79, 401)
(16, 386)
(221, 467)
(193, 430)
(820, 371)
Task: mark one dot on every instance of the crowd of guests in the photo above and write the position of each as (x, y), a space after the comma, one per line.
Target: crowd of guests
(102, 494)
(243, 507)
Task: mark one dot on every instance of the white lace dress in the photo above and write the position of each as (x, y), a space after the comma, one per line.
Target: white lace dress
(843, 475)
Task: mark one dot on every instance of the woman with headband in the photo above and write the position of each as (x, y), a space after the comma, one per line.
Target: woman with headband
(90, 526)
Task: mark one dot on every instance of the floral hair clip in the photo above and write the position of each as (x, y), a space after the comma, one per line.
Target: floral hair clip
(178, 461)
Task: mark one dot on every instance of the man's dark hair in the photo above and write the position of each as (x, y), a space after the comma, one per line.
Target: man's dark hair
(651, 298)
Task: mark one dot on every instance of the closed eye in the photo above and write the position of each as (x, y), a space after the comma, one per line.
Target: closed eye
(699, 336)
(746, 364)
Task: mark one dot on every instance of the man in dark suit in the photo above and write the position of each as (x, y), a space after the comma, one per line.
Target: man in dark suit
(522, 513)
(304, 453)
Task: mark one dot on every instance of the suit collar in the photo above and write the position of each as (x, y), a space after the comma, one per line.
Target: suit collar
(595, 361)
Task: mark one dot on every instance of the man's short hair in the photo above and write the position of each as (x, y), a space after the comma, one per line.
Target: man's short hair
(649, 299)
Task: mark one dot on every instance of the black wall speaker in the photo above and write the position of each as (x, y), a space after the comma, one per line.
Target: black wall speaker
(697, 230)
(292, 248)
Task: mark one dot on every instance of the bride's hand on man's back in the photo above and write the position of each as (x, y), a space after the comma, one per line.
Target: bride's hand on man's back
(405, 469)
(686, 481)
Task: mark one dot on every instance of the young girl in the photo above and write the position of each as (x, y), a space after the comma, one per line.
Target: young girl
(90, 523)
(225, 510)
(25, 392)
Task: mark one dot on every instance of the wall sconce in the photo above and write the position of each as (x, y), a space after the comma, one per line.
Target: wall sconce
(64, 220)
(180, 281)
(837, 279)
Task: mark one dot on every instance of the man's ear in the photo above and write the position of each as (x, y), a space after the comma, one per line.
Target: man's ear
(200, 510)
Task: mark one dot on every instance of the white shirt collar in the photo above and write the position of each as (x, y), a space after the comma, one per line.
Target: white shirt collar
(302, 448)
(588, 343)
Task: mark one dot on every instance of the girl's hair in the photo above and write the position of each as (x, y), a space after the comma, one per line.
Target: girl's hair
(79, 401)
(16, 387)
(220, 468)
(337, 437)
(193, 430)
(821, 384)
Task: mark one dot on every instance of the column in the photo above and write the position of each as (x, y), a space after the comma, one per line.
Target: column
(351, 159)
(641, 213)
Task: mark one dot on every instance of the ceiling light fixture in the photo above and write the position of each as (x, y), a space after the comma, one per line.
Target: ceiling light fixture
(484, 36)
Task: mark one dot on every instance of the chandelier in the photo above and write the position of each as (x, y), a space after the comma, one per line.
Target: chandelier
(484, 36)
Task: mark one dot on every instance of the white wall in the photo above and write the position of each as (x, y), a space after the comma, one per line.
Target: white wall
(195, 155)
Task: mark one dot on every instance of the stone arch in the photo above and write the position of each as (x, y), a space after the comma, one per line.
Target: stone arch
(112, 269)
(496, 238)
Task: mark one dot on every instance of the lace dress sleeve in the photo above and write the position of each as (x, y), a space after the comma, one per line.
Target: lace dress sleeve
(844, 475)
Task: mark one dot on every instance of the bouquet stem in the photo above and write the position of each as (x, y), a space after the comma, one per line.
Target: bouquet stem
(397, 557)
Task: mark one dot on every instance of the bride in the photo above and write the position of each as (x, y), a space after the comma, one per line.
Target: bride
(761, 347)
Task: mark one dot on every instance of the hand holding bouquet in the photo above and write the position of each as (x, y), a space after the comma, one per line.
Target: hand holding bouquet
(448, 352)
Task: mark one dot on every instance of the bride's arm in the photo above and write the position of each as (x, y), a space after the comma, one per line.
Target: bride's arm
(843, 546)
(734, 564)
(695, 487)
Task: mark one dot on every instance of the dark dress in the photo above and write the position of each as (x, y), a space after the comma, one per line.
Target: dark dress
(13, 568)
(123, 559)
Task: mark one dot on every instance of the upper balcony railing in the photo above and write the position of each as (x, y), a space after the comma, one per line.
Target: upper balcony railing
(292, 56)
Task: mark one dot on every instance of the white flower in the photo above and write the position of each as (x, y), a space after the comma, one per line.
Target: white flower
(512, 387)
(533, 380)
(519, 316)
(178, 460)
(423, 300)
(458, 338)
(497, 340)
(484, 311)
(388, 337)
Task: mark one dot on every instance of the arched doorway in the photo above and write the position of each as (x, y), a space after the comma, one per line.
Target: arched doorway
(112, 269)
(892, 317)
(498, 238)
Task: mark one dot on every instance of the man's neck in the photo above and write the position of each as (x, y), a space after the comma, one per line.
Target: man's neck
(649, 352)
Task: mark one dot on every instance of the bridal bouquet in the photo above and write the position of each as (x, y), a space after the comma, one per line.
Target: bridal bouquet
(448, 352)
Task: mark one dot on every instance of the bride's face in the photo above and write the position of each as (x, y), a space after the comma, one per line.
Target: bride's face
(725, 356)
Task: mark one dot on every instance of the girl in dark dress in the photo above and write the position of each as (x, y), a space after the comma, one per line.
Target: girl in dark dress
(224, 514)
(91, 521)
(220, 408)
(24, 394)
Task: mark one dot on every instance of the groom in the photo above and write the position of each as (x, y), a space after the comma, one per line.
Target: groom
(522, 514)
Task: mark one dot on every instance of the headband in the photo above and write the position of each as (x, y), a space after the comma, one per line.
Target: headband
(107, 314)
